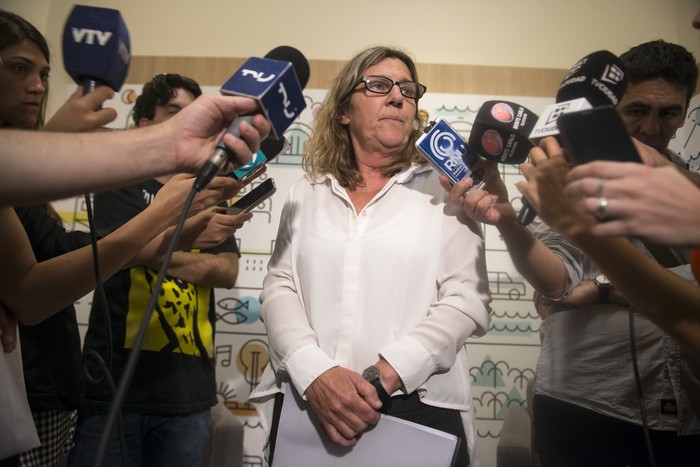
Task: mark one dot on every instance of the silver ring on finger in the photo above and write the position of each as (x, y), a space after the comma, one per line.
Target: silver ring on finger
(600, 211)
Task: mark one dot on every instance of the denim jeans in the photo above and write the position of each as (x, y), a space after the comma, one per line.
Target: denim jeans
(150, 440)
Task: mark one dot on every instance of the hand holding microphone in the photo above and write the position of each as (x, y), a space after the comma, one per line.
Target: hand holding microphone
(275, 82)
(96, 47)
(83, 112)
(500, 134)
(97, 55)
(595, 80)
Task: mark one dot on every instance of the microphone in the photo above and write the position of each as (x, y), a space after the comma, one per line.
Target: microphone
(446, 150)
(96, 47)
(501, 131)
(276, 82)
(597, 79)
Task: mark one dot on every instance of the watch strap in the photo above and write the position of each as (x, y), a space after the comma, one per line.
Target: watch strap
(603, 292)
(371, 374)
(384, 396)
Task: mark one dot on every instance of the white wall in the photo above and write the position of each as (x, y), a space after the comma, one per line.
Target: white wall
(533, 33)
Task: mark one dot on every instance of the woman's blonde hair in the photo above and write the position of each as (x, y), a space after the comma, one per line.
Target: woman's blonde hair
(329, 149)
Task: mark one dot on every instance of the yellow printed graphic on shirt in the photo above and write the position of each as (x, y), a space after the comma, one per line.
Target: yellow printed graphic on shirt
(180, 321)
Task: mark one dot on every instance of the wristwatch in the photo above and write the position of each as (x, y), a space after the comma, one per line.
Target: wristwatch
(371, 374)
(604, 285)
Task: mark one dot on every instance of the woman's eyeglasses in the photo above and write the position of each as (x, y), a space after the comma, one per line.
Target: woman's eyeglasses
(383, 85)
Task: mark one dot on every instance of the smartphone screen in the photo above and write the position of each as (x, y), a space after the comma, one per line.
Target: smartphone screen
(596, 134)
(269, 149)
(257, 196)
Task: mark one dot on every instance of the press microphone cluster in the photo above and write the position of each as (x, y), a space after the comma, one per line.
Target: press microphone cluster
(597, 79)
(96, 47)
(275, 82)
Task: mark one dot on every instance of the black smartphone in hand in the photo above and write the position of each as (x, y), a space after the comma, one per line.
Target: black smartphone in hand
(254, 198)
(596, 134)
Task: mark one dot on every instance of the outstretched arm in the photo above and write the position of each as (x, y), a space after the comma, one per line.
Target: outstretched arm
(666, 299)
(535, 261)
(79, 163)
(34, 291)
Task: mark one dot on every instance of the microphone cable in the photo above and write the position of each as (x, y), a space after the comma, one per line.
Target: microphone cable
(640, 393)
(100, 297)
(132, 361)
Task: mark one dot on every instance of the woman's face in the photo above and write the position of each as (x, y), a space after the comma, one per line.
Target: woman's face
(23, 78)
(381, 123)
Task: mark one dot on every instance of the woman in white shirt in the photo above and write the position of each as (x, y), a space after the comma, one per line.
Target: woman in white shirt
(373, 273)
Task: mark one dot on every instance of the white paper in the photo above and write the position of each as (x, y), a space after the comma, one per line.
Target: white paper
(393, 442)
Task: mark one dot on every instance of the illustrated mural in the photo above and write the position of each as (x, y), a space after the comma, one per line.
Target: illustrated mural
(503, 361)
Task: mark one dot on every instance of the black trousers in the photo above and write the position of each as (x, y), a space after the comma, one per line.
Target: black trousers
(407, 408)
(568, 435)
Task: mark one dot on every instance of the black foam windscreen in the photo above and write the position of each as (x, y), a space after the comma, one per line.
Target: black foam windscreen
(599, 77)
(296, 58)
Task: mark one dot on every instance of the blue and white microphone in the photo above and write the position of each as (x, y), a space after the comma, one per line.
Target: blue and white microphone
(276, 83)
(96, 47)
(442, 146)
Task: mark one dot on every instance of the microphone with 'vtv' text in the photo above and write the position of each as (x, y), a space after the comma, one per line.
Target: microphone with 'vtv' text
(96, 47)
(597, 79)
(276, 83)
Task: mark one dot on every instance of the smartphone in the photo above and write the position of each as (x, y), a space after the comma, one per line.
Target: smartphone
(450, 154)
(254, 198)
(596, 134)
(269, 149)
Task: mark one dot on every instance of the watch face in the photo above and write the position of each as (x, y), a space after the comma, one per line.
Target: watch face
(371, 373)
(601, 279)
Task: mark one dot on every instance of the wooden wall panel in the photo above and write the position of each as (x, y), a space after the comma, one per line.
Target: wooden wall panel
(457, 79)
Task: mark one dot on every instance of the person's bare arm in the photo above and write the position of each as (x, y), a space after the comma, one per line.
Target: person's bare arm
(491, 205)
(77, 163)
(203, 269)
(668, 300)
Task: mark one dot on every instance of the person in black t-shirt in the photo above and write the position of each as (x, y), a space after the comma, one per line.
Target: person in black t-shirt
(166, 411)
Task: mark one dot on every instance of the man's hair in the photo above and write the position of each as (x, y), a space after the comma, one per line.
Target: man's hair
(13, 30)
(159, 91)
(329, 149)
(662, 60)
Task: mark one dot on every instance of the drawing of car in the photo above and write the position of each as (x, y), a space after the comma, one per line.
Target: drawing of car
(502, 285)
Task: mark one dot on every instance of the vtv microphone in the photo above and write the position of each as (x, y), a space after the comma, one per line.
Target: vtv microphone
(597, 79)
(96, 47)
(276, 83)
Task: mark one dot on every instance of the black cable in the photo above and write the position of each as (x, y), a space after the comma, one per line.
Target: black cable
(640, 394)
(101, 298)
(130, 368)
